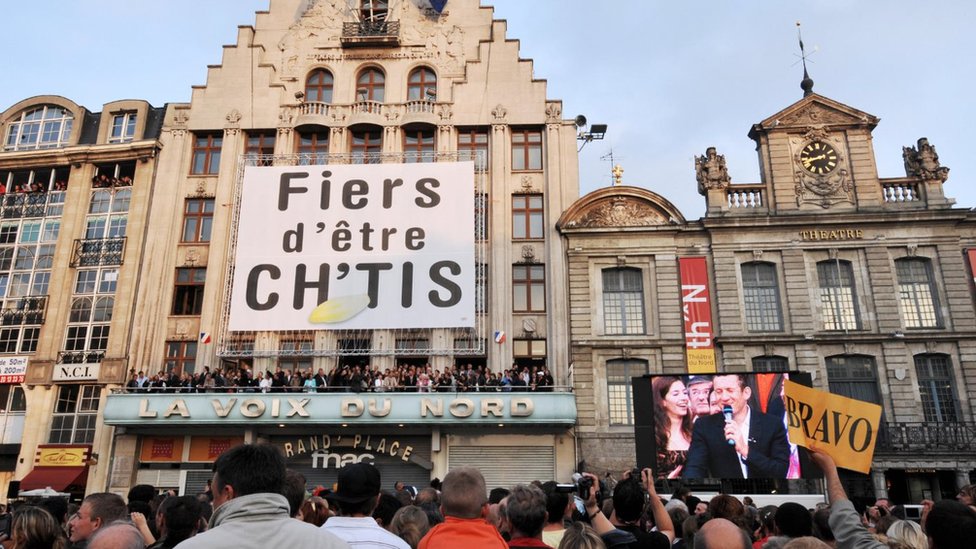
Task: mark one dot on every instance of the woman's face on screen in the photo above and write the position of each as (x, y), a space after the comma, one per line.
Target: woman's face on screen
(676, 400)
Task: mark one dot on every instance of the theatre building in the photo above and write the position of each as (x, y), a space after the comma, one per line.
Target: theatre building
(822, 266)
(381, 91)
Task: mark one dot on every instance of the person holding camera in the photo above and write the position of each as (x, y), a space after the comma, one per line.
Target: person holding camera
(628, 507)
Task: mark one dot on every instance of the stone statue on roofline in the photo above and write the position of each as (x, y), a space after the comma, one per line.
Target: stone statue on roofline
(711, 171)
(923, 162)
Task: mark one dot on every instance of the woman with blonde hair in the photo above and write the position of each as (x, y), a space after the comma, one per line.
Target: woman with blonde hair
(411, 524)
(905, 534)
(35, 528)
(581, 536)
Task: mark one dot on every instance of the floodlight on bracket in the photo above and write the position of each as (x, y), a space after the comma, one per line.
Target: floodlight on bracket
(585, 134)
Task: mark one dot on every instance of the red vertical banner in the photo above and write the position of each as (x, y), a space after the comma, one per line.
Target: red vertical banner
(971, 254)
(696, 308)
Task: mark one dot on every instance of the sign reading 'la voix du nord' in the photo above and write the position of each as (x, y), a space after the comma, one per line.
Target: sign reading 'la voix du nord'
(355, 247)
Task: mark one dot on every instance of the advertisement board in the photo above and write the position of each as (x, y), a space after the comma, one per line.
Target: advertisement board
(696, 308)
(360, 246)
(13, 369)
(719, 426)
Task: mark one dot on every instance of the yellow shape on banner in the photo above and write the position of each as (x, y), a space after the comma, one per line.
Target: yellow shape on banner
(339, 309)
(701, 361)
(841, 427)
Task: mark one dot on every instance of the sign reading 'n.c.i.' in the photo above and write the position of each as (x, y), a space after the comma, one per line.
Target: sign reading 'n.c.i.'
(355, 247)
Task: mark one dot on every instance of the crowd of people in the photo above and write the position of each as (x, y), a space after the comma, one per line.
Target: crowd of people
(102, 181)
(356, 378)
(255, 501)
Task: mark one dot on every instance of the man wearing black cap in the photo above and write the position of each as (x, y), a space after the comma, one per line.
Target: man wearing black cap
(357, 493)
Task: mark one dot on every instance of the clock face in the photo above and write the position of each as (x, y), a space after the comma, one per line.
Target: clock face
(818, 158)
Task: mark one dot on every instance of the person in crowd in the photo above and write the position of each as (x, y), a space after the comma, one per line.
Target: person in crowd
(58, 507)
(678, 516)
(948, 524)
(790, 522)
(759, 446)
(177, 519)
(905, 534)
(559, 509)
(723, 534)
(821, 526)
(767, 526)
(356, 496)
(96, 511)
(294, 492)
(249, 509)
(117, 535)
(465, 509)
(806, 542)
(315, 511)
(628, 507)
(411, 524)
(967, 496)
(580, 536)
(35, 528)
(386, 507)
(672, 425)
(525, 515)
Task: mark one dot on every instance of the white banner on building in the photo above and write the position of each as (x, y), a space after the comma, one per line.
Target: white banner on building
(355, 247)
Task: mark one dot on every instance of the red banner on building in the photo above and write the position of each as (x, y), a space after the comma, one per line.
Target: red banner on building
(971, 253)
(696, 308)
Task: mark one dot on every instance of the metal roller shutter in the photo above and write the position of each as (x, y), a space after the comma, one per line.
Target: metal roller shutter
(196, 482)
(161, 479)
(506, 466)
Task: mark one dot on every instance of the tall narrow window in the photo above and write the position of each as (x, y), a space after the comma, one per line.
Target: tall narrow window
(527, 216)
(916, 293)
(198, 219)
(526, 150)
(296, 355)
(123, 128)
(370, 86)
(481, 288)
(188, 294)
(619, 395)
(854, 377)
(481, 203)
(75, 414)
(760, 292)
(623, 301)
(419, 145)
(374, 11)
(529, 288)
(935, 384)
(313, 146)
(768, 364)
(181, 356)
(206, 153)
(318, 86)
(838, 299)
(422, 85)
(260, 144)
(367, 145)
(473, 145)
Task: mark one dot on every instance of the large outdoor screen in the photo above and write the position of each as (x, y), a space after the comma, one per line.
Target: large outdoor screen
(355, 246)
(717, 426)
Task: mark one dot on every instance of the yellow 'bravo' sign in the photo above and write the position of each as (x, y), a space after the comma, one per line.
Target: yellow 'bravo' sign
(841, 427)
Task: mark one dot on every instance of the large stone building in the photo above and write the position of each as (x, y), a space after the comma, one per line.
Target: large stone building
(308, 83)
(822, 266)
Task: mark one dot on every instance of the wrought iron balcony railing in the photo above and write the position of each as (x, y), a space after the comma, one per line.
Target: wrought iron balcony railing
(929, 436)
(371, 33)
(26, 310)
(80, 357)
(92, 252)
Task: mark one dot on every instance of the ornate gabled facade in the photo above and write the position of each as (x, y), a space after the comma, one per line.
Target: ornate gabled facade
(822, 266)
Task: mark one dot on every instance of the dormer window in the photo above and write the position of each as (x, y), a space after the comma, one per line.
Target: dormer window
(123, 128)
(46, 127)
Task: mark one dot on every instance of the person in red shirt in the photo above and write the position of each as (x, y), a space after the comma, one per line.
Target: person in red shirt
(465, 507)
(525, 515)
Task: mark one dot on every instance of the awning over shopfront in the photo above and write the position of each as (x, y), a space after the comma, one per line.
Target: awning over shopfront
(62, 479)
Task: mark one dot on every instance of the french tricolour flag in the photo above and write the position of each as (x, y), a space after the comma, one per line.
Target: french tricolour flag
(499, 337)
(205, 337)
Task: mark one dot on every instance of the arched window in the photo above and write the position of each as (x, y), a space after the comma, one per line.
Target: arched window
(318, 86)
(371, 85)
(760, 294)
(916, 293)
(367, 144)
(419, 144)
(422, 85)
(45, 127)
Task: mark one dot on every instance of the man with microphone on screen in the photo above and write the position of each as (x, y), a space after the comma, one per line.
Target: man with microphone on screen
(739, 442)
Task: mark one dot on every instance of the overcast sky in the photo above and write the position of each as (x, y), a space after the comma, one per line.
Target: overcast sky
(669, 78)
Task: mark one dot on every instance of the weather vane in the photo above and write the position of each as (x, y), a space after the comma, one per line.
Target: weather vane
(807, 83)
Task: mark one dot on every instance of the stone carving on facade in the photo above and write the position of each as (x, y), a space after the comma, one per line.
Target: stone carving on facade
(620, 211)
(769, 350)
(823, 190)
(757, 255)
(554, 112)
(180, 119)
(923, 162)
(445, 113)
(527, 184)
(912, 250)
(321, 24)
(392, 115)
(201, 189)
(711, 171)
(816, 133)
(182, 328)
(528, 254)
(192, 257)
(233, 122)
(815, 114)
(832, 253)
(448, 45)
(498, 113)
(621, 260)
(625, 352)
